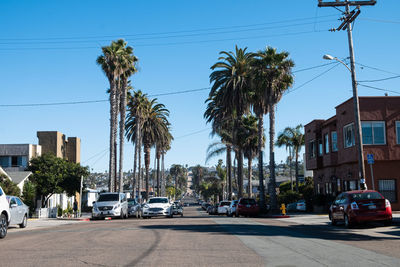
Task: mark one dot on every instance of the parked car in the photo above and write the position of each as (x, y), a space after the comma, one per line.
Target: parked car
(291, 206)
(19, 212)
(301, 205)
(232, 208)
(157, 206)
(4, 214)
(247, 207)
(205, 205)
(133, 208)
(360, 206)
(177, 209)
(212, 210)
(110, 205)
(223, 207)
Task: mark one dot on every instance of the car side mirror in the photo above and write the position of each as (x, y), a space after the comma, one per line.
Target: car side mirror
(13, 205)
(93, 202)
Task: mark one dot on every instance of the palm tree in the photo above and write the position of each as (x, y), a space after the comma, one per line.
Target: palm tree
(110, 62)
(137, 107)
(297, 138)
(248, 139)
(155, 126)
(284, 139)
(177, 171)
(230, 91)
(161, 146)
(277, 79)
(129, 69)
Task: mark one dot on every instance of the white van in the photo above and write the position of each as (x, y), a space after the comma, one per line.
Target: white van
(4, 214)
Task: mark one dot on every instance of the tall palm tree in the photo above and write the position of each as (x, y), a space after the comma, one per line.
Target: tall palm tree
(137, 108)
(297, 138)
(111, 62)
(277, 79)
(129, 68)
(284, 139)
(248, 139)
(231, 86)
(155, 126)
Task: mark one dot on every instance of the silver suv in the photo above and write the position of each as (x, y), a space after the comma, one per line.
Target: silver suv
(4, 214)
(110, 205)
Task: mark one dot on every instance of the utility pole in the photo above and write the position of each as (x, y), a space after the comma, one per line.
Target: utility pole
(349, 17)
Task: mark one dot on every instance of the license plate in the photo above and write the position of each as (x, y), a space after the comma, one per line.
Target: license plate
(372, 207)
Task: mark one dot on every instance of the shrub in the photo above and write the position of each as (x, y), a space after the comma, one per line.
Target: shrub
(59, 211)
(289, 197)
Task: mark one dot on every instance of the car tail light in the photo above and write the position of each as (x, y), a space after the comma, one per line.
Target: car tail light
(354, 206)
(387, 203)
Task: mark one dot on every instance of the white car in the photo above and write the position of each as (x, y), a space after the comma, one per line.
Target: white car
(223, 207)
(110, 205)
(157, 206)
(4, 214)
(19, 211)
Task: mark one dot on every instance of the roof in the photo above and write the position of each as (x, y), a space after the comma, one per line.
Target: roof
(18, 177)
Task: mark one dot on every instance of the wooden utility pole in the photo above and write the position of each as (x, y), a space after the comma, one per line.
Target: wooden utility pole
(349, 17)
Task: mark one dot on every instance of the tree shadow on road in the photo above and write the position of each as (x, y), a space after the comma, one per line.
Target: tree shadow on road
(298, 231)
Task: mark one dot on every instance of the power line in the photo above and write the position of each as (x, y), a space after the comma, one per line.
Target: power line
(186, 135)
(380, 80)
(375, 68)
(164, 33)
(314, 67)
(379, 89)
(96, 101)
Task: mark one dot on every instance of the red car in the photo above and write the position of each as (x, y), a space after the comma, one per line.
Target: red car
(360, 206)
(247, 207)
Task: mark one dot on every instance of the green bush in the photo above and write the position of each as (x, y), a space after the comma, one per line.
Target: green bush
(289, 197)
(59, 211)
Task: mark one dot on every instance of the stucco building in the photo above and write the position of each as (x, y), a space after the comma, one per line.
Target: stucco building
(332, 154)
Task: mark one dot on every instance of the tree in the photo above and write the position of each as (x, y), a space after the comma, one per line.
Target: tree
(284, 140)
(230, 92)
(276, 72)
(29, 195)
(9, 187)
(112, 62)
(176, 172)
(52, 175)
(137, 107)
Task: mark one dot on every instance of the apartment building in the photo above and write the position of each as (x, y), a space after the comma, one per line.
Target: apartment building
(332, 154)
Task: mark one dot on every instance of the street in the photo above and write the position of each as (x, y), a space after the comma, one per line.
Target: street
(198, 239)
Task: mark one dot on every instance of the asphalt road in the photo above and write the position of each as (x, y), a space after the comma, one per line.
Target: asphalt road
(201, 240)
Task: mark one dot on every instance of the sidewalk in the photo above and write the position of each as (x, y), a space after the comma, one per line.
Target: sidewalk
(85, 216)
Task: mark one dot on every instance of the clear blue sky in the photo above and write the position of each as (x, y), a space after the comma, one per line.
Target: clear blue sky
(48, 51)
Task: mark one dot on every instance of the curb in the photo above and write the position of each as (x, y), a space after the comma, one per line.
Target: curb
(74, 219)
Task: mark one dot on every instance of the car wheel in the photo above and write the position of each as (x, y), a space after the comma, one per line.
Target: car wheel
(387, 222)
(182, 214)
(3, 226)
(333, 221)
(24, 222)
(347, 222)
(121, 216)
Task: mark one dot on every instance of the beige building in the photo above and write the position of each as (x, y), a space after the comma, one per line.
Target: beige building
(56, 143)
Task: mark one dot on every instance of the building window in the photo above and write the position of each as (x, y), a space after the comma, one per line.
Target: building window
(352, 185)
(398, 132)
(320, 147)
(348, 133)
(334, 142)
(311, 147)
(326, 140)
(388, 189)
(373, 132)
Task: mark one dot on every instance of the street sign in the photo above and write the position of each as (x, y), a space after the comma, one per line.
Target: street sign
(370, 158)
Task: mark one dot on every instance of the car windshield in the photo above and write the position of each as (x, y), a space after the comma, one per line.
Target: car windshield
(131, 201)
(247, 201)
(225, 203)
(158, 200)
(366, 196)
(108, 197)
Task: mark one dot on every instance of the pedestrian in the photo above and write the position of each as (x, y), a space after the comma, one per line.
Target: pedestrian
(75, 208)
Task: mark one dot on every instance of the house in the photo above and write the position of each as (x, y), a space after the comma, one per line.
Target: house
(331, 152)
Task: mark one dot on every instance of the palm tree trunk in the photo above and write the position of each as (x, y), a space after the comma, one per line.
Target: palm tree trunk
(113, 116)
(115, 162)
(139, 167)
(272, 184)
(297, 170)
(260, 161)
(147, 167)
(122, 134)
(158, 175)
(250, 176)
(162, 175)
(240, 173)
(135, 158)
(229, 170)
(290, 168)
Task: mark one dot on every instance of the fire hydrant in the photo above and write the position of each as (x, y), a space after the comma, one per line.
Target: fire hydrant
(283, 209)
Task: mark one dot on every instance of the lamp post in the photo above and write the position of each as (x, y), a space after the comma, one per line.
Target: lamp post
(357, 122)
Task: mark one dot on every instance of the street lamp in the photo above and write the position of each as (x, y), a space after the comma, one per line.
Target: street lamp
(358, 139)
